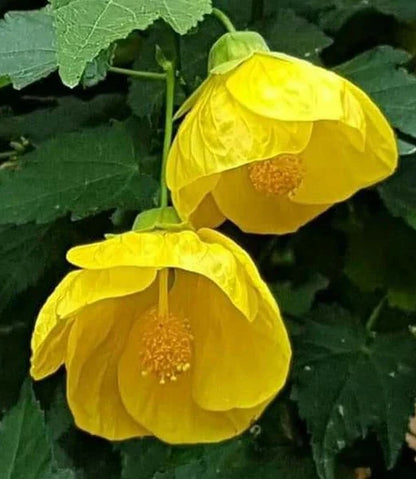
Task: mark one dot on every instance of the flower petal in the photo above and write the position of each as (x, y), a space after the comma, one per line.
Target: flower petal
(91, 286)
(236, 364)
(254, 212)
(76, 290)
(168, 410)
(183, 250)
(288, 89)
(49, 337)
(219, 134)
(96, 341)
(335, 168)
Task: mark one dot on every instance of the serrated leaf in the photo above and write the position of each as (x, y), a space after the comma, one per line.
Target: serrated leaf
(85, 27)
(380, 255)
(26, 252)
(348, 383)
(294, 35)
(399, 191)
(86, 172)
(65, 115)
(379, 72)
(25, 449)
(27, 46)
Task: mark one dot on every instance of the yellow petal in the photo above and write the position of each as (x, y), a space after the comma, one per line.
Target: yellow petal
(91, 286)
(207, 214)
(219, 134)
(255, 212)
(49, 337)
(168, 410)
(76, 290)
(288, 89)
(236, 364)
(335, 168)
(182, 250)
(97, 340)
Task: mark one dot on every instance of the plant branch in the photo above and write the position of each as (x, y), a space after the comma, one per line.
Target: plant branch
(138, 74)
(224, 19)
(170, 96)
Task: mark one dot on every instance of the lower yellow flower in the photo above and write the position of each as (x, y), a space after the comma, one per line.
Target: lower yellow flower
(172, 334)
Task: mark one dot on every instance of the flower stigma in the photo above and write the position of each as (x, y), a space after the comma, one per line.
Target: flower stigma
(166, 349)
(279, 176)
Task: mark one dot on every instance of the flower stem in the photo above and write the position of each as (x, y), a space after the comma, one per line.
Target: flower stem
(224, 19)
(138, 74)
(374, 315)
(170, 96)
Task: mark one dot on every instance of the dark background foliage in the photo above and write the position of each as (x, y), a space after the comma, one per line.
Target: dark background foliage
(78, 163)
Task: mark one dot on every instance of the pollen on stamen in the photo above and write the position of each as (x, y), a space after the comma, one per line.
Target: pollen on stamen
(166, 346)
(279, 176)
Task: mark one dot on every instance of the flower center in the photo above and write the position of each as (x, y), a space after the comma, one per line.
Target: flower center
(279, 176)
(166, 340)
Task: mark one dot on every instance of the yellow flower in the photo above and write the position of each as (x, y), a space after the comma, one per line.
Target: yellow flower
(172, 334)
(271, 141)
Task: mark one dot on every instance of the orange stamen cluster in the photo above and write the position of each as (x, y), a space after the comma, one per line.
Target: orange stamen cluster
(166, 346)
(279, 176)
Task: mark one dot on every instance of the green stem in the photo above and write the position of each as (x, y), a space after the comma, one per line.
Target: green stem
(224, 19)
(374, 315)
(138, 74)
(170, 97)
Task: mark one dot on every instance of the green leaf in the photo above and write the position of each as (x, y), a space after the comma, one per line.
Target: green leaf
(86, 172)
(380, 255)
(379, 73)
(297, 299)
(25, 448)
(27, 47)
(26, 252)
(292, 34)
(85, 27)
(66, 114)
(348, 384)
(399, 191)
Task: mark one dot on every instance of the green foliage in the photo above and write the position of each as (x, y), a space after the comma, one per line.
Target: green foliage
(88, 172)
(26, 450)
(27, 46)
(349, 381)
(85, 27)
(75, 165)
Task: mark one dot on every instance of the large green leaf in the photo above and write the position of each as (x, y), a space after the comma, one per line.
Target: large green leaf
(27, 46)
(25, 451)
(399, 191)
(379, 73)
(25, 253)
(380, 255)
(81, 173)
(85, 27)
(349, 383)
(66, 114)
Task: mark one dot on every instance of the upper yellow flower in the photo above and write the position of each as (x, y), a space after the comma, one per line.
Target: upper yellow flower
(172, 334)
(271, 141)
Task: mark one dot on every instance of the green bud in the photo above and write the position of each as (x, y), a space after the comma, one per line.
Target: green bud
(158, 218)
(233, 48)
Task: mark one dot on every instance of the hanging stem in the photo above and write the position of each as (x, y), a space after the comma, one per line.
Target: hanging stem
(374, 315)
(138, 74)
(170, 96)
(224, 19)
